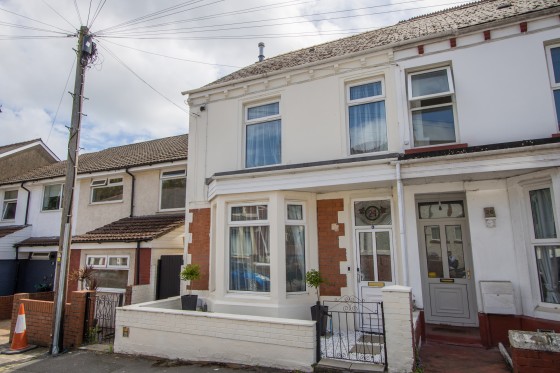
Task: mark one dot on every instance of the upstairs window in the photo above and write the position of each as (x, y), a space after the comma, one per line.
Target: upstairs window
(432, 106)
(173, 189)
(52, 197)
(107, 190)
(367, 125)
(9, 205)
(263, 135)
(553, 54)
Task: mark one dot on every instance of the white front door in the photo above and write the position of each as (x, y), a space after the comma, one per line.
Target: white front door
(448, 284)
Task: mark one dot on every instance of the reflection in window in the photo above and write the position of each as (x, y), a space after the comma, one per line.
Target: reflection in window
(548, 266)
(543, 215)
(383, 250)
(433, 251)
(455, 253)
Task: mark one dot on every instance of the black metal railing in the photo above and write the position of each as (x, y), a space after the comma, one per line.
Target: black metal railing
(352, 329)
(101, 311)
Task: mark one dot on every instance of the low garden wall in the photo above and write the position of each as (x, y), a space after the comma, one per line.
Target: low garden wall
(161, 329)
(6, 303)
(534, 351)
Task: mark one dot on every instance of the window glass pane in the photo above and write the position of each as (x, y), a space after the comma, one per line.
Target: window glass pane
(557, 103)
(443, 209)
(367, 270)
(51, 197)
(295, 258)
(121, 261)
(455, 254)
(433, 126)
(548, 266)
(263, 111)
(110, 278)
(10, 194)
(263, 144)
(368, 213)
(368, 128)
(543, 213)
(96, 261)
(247, 213)
(113, 193)
(432, 239)
(365, 90)
(555, 57)
(174, 173)
(173, 193)
(383, 251)
(9, 210)
(430, 83)
(249, 259)
(295, 212)
(114, 181)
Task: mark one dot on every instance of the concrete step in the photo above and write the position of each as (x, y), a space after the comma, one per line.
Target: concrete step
(335, 366)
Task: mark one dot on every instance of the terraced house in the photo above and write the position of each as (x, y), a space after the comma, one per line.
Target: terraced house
(128, 217)
(423, 154)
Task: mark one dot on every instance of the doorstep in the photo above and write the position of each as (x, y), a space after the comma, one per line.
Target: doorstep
(332, 365)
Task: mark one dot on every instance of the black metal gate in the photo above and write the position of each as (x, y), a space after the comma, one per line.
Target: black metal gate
(101, 311)
(168, 282)
(354, 330)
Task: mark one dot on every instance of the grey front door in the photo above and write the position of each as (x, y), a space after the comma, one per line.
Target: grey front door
(448, 284)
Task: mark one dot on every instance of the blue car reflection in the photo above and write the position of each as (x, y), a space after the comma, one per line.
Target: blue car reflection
(249, 281)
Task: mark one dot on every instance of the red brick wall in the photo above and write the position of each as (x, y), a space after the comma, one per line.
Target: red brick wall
(494, 328)
(6, 304)
(199, 248)
(38, 318)
(144, 258)
(128, 296)
(72, 267)
(330, 254)
(529, 361)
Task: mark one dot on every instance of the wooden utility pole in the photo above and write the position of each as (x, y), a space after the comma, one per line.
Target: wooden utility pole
(63, 256)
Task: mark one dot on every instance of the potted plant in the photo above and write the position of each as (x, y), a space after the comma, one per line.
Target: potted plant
(318, 312)
(190, 273)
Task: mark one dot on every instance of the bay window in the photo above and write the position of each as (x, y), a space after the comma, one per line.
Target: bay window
(173, 189)
(431, 98)
(295, 248)
(9, 205)
(249, 248)
(366, 118)
(553, 55)
(545, 244)
(263, 135)
(52, 197)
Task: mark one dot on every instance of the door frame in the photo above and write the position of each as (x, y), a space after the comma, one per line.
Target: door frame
(472, 321)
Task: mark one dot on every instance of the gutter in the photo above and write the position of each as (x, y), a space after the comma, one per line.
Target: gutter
(28, 200)
(131, 192)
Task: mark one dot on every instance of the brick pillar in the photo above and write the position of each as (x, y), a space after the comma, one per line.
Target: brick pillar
(199, 247)
(75, 318)
(144, 257)
(399, 332)
(534, 351)
(330, 253)
(73, 266)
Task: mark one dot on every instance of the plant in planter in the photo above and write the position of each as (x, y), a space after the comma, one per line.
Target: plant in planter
(318, 312)
(190, 273)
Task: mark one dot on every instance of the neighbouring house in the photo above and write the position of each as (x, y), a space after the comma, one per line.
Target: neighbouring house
(423, 154)
(16, 159)
(128, 216)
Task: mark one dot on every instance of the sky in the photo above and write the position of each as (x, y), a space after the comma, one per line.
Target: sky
(148, 52)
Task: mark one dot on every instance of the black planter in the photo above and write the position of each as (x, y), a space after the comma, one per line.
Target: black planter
(188, 302)
(323, 313)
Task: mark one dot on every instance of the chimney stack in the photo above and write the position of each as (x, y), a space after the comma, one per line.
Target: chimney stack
(261, 51)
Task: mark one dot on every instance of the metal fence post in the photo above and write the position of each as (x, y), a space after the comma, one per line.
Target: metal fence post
(318, 324)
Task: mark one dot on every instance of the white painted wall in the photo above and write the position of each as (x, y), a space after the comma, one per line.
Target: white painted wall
(201, 336)
(44, 223)
(7, 251)
(502, 85)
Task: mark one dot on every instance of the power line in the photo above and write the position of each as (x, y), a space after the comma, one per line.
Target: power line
(34, 20)
(14, 25)
(60, 15)
(153, 14)
(100, 6)
(140, 78)
(171, 57)
(78, 12)
(61, 97)
(30, 37)
(88, 13)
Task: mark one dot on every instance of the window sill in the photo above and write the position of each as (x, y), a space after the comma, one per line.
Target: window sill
(104, 203)
(435, 148)
(47, 211)
(163, 211)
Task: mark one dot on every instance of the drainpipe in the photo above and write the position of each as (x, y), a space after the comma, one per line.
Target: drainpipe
(137, 272)
(131, 192)
(400, 198)
(28, 200)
